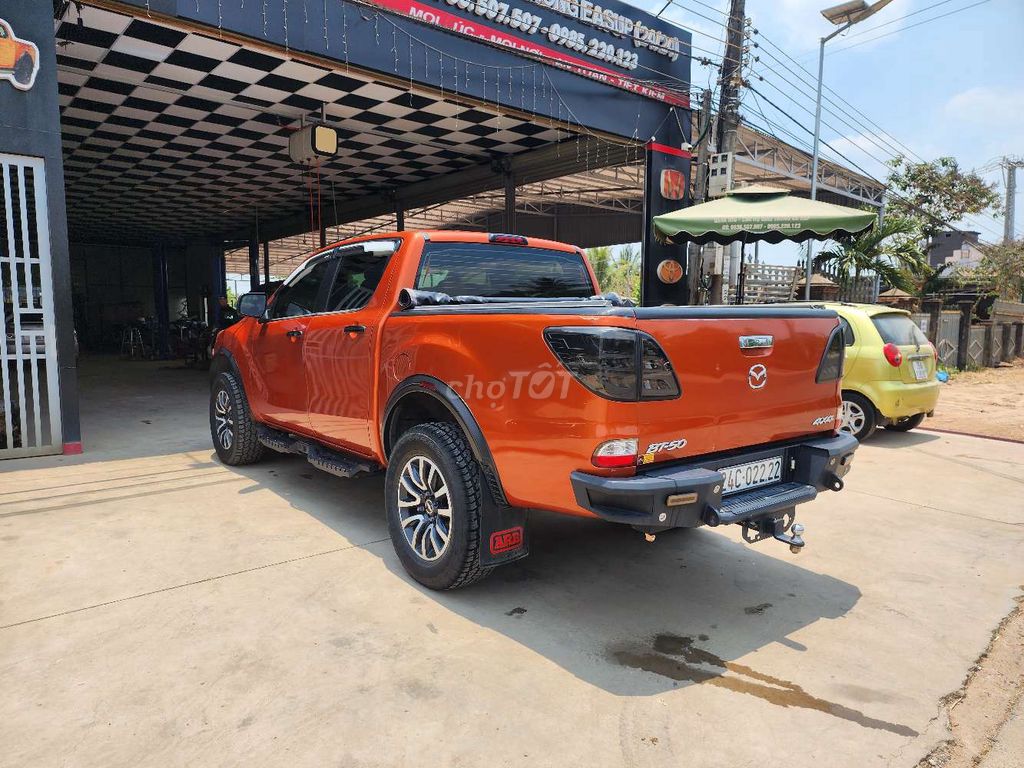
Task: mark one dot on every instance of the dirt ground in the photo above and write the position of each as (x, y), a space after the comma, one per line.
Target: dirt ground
(986, 402)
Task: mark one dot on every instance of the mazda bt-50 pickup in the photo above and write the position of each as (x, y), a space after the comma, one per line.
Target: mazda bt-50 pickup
(489, 377)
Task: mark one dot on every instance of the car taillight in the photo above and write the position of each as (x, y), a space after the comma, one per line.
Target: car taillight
(615, 363)
(831, 366)
(892, 355)
(615, 453)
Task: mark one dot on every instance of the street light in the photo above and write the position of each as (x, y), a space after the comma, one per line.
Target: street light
(843, 16)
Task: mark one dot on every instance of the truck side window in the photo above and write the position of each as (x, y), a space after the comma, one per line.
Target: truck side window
(300, 297)
(848, 336)
(356, 280)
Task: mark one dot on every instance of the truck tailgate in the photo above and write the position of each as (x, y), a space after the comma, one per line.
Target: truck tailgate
(734, 397)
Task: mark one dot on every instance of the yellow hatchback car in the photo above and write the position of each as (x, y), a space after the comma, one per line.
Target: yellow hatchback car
(889, 377)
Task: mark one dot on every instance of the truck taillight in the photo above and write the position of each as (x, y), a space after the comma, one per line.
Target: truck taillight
(893, 355)
(615, 453)
(831, 366)
(935, 352)
(615, 363)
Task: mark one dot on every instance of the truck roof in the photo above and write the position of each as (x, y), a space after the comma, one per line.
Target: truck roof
(458, 236)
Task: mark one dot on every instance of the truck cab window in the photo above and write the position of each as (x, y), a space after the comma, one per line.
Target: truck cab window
(302, 296)
(357, 278)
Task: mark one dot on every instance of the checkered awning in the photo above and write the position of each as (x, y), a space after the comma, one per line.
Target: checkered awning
(172, 134)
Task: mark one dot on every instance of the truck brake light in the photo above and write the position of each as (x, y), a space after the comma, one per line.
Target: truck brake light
(893, 355)
(508, 239)
(615, 453)
(615, 363)
(831, 366)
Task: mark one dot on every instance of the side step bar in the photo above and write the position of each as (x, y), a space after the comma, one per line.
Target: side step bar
(340, 464)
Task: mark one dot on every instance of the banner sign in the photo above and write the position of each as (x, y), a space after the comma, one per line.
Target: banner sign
(614, 44)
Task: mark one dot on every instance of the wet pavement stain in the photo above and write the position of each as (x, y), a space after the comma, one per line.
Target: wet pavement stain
(691, 665)
(757, 609)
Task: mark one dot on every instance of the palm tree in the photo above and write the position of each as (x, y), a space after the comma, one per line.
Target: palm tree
(889, 249)
(934, 279)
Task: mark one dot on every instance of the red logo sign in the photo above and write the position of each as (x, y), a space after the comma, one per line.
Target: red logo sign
(507, 540)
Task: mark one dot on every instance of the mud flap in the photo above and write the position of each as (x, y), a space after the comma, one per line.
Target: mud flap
(503, 531)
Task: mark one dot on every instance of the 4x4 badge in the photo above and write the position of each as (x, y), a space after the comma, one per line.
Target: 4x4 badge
(757, 376)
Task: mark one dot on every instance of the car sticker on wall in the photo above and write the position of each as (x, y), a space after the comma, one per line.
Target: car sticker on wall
(19, 59)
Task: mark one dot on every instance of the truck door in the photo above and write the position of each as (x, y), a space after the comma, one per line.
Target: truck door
(278, 347)
(341, 347)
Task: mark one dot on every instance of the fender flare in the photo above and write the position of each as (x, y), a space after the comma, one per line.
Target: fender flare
(428, 385)
(223, 361)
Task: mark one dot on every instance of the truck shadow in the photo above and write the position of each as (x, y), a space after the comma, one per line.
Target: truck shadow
(627, 616)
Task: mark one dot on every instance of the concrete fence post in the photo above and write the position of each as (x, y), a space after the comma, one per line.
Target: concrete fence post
(1007, 351)
(964, 341)
(932, 308)
(1018, 344)
(986, 349)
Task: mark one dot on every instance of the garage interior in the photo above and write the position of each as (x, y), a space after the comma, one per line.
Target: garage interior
(176, 153)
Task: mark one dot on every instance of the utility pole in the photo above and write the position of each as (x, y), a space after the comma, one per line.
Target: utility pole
(1010, 165)
(695, 262)
(729, 116)
(728, 101)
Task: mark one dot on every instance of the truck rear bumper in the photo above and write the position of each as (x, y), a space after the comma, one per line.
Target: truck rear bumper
(688, 495)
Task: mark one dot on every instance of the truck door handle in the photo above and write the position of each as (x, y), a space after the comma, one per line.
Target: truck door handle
(294, 333)
(354, 328)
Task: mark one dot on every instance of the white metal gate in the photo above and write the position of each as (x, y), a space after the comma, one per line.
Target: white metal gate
(29, 391)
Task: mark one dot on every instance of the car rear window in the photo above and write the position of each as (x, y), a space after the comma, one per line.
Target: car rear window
(898, 329)
(502, 271)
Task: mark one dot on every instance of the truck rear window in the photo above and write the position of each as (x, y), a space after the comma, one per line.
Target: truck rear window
(898, 329)
(502, 271)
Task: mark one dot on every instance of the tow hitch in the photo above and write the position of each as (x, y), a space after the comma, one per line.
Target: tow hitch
(775, 527)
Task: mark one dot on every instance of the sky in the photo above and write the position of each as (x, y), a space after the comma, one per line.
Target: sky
(952, 86)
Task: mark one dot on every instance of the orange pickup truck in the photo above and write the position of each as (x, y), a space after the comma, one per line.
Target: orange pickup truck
(19, 59)
(491, 379)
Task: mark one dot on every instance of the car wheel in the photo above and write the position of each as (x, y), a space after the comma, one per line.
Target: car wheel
(858, 416)
(433, 502)
(231, 425)
(907, 424)
(23, 69)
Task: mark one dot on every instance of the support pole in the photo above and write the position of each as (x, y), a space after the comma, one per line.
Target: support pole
(266, 262)
(509, 220)
(254, 261)
(695, 258)
(162, 304)
(399, 215)
(1011, 204)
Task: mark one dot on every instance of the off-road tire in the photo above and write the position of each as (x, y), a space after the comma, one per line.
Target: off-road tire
(23, 69)
(870, 422)
(444, 445)
(244, 447)
(907, 424)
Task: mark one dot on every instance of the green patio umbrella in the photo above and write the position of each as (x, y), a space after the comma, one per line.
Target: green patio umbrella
(760, 212)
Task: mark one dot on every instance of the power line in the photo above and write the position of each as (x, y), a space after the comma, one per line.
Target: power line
(911, 26)
(898, 18)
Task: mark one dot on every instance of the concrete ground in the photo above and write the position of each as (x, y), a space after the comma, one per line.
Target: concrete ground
(160, 609)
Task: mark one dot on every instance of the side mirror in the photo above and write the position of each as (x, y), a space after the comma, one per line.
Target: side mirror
(252, 304)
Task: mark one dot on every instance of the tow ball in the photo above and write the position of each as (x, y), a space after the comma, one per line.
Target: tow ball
(775, 528)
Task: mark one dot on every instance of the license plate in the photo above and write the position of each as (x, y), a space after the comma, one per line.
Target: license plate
(751, 475)
(920, 369)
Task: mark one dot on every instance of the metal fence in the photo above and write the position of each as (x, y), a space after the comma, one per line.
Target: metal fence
(29, 406)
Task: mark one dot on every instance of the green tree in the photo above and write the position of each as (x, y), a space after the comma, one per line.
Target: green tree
(936, 194)
(890, 250)
(933, 279)
(601, 260)
(625, 273)
(1003, 267)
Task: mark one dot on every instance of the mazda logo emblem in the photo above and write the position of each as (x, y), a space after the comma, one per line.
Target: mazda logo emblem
(757, 376)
